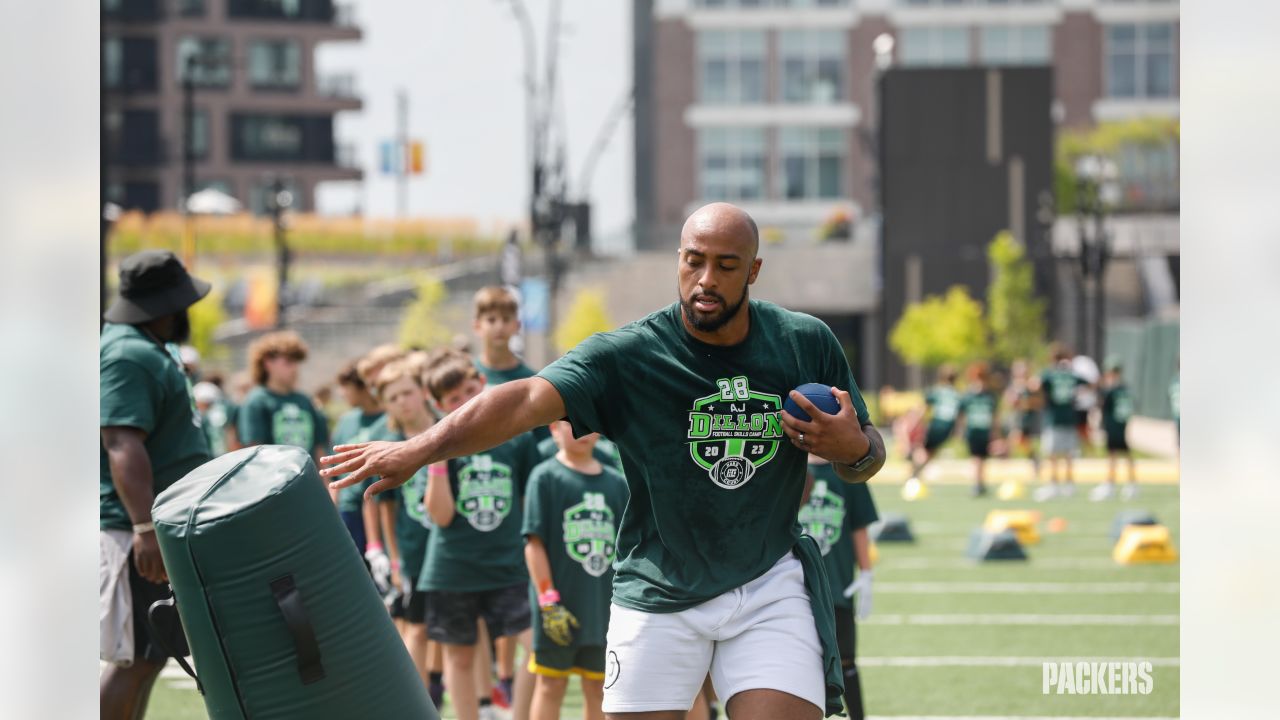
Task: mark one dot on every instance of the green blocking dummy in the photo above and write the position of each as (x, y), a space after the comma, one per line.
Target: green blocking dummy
(281, 616)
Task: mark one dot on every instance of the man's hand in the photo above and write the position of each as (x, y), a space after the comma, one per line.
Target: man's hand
(862, 588)
(393, 462)
(837, 438)
(557, 623)
(146, 557)
(379, 567)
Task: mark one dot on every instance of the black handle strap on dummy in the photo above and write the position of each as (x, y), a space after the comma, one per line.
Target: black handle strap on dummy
(304, 635)
(166, 631)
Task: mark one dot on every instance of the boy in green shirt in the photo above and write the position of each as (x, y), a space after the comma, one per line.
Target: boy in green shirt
(979, 410)
(836, 514)
(1060, 439)
(474, 567)
(1117, 408)
(497, 320)
(570, 528)
(941, 407)
(274, 412)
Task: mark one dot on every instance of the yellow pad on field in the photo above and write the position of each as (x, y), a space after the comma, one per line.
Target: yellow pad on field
(1011, 490)
(1023, 523)
(1144, 544)
(913, 490)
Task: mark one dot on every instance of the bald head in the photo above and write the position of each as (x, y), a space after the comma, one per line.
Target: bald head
(726, 223)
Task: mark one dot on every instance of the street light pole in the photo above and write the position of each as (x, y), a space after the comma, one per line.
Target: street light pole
(188, 158)
(281, 199)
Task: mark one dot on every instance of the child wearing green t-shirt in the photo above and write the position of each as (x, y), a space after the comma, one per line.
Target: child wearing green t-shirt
(979, 409)
(574, 504)
(474, 568)
(1117, 408)
(274, 412)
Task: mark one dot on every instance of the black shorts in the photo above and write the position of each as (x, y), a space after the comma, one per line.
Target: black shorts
(559, 662)
(979, 445)
(451, 616)
(846, 635)
(145, 593)
(412, 607)
(1117, 442)
(935, 437)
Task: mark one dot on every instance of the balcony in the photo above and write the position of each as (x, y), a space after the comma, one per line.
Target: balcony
(341, 86)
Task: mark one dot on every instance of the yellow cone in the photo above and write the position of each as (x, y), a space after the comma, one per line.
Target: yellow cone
(913, 490)
(1011, 490)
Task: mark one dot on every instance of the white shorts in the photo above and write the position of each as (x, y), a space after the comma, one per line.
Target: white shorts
(1058, 440)
(758, 636)
(115, 599)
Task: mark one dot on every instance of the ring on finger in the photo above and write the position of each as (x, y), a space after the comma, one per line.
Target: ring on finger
(800, 439)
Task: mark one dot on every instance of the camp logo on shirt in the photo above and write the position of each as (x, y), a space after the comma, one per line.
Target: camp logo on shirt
(413, 493)
(589, 534)
(484, 492)
(291, 425)
(823, 516)
(734, 431)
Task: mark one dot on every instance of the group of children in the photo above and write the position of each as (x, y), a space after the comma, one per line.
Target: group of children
(1053, 407)
(509, 547)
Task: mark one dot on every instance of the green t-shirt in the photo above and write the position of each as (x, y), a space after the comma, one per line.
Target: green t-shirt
(142, 386)
(356, 426)
(576, 516)
(266, 418)
(413, 526)
(979, 410)
(944, 401)
(482, 549)
(1059, 386)
(715, 484)
(1175, 397)
(834, 511)
(1117, 408)
(497, 377)
(604, 451)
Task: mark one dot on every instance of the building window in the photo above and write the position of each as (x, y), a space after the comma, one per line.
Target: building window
(129, 64)
(281, 9)
(1149, 175)
(212, 58)
(1139, 60)
(731, 162)
(275, 64)
(940, 45)
(812, 65)
(731, 65)
(813, 162)
(301, 138)
(1015, 45)
(113, 62)
(190, 8)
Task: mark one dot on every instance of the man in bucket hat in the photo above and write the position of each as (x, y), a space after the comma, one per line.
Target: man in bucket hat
(151, 436)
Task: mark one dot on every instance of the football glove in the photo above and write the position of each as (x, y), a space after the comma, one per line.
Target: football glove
(862, 588)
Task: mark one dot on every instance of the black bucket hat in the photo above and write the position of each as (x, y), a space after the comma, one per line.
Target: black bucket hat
(153, 283)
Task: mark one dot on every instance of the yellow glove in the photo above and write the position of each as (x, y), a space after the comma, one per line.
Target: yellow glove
(557, 621)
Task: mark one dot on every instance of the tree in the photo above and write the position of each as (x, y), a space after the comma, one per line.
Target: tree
(205, 317)
(937, 330)
(586, 317)
(1015, 314)
(422, 324)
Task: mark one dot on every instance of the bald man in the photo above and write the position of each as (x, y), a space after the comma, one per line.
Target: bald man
(709, 576)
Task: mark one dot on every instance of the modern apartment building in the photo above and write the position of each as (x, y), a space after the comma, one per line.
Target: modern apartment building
(261, 113)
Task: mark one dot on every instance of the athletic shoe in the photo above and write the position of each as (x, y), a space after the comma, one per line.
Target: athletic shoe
(501, 695)
(1104, 491)
(1068, 489)
(1129, 491)
(1045, 492)
(493, 712)
(979, 490)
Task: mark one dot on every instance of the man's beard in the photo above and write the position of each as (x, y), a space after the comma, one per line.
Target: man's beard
(181, 327)
(711, 322)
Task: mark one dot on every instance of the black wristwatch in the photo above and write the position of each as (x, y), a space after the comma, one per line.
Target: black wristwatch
(866, 460)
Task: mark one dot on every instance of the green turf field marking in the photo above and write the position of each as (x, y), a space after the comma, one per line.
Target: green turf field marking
(945, 588)
(1000, 661)
(1025, 619)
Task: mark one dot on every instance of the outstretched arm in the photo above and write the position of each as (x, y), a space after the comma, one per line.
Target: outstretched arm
(487, 420)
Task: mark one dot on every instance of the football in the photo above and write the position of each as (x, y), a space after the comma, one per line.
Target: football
(818, 394)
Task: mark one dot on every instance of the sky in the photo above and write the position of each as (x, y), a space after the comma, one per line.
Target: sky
(462, 64)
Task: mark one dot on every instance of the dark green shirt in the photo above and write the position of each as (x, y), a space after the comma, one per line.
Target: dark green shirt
(604, 451)
(979, 409)
(834, 511)
(142, 385)
(1059, 386)
(715, 484)
(497, 377)
(576, 516)
(413, 527)
(266, 418)
(482, 548)
(355, 426)
(944, 401)
(1117, 408)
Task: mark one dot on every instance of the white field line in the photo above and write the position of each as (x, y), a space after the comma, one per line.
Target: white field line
(1028, 619)
(1015, 717)
(1046, 588)
(999, 661)
(939, 563)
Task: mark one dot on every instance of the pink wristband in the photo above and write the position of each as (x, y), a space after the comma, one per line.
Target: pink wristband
(437, 471)
(370, 547)
(550, 597)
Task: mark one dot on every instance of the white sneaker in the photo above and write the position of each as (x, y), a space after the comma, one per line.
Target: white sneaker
(1046, 492)
(1129, 491)
(1104, 491)
(493, 712)
(1068, 489)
